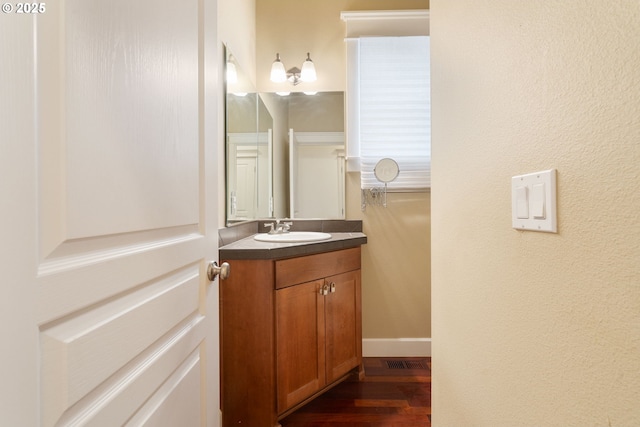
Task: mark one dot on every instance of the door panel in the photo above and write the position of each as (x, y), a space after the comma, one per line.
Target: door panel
(126, 392)
(300, 342)
(127, 98)
(319, 182)
(117, 173)
(170, 405)
(246, 186)
(342, 325)
(85, 349)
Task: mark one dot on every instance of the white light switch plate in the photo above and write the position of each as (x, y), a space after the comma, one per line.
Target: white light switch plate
(539, 208)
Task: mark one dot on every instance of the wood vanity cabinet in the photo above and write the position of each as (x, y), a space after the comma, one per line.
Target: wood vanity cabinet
(290, 328)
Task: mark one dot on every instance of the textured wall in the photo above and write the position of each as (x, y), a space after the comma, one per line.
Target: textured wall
(536, 329)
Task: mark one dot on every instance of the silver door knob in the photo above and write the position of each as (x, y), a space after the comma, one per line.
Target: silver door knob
(213, 270)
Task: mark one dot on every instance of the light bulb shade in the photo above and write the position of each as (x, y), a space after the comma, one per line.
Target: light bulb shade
(308, 72)
(278, 72)
(232, 73)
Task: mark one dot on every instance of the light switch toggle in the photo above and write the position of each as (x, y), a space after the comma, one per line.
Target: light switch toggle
(537, 201)
(522, 203)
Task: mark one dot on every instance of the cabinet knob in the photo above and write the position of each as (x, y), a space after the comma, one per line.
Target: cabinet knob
(324, 290)
(213, 270)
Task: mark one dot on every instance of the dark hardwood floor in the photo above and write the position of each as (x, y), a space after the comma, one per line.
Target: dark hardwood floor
(396, 392)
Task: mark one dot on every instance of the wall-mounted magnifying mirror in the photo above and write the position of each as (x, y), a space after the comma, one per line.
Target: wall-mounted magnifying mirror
(386, 170)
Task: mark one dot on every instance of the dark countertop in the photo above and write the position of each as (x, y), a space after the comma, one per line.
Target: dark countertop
(248, 248)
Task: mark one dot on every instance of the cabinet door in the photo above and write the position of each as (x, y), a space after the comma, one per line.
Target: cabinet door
(300, 342)
(343, 325)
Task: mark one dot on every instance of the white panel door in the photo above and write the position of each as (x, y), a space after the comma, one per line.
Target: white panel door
(320, 186)
(245, 179)
(108, 188)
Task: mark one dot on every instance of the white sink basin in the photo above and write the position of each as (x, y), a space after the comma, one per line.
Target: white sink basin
(292, 237)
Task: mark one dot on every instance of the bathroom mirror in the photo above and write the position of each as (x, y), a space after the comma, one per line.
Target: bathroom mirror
(284, 154)
(249, 148)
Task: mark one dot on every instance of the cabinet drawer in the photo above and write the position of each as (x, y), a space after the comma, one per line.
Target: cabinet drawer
(305, 269)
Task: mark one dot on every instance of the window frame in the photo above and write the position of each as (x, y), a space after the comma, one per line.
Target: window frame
(372, 24)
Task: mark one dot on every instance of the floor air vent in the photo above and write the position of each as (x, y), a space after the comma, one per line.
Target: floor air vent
(405, 364)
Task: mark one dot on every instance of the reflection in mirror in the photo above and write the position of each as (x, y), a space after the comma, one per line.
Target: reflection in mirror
(265, 161)
(316, 155)
(249, 149)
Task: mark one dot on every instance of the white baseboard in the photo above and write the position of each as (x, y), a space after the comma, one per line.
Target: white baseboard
(396, 347)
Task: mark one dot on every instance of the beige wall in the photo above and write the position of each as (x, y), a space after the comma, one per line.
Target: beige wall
(237, 29)
(396, 282)
(536, 329)
(323, 112)
(396, 259)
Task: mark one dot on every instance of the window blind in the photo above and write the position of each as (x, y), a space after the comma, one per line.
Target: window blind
(394, 109)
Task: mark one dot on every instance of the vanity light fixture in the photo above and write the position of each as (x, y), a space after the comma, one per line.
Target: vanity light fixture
(308, 73)
(278, 72)
(294, 75)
